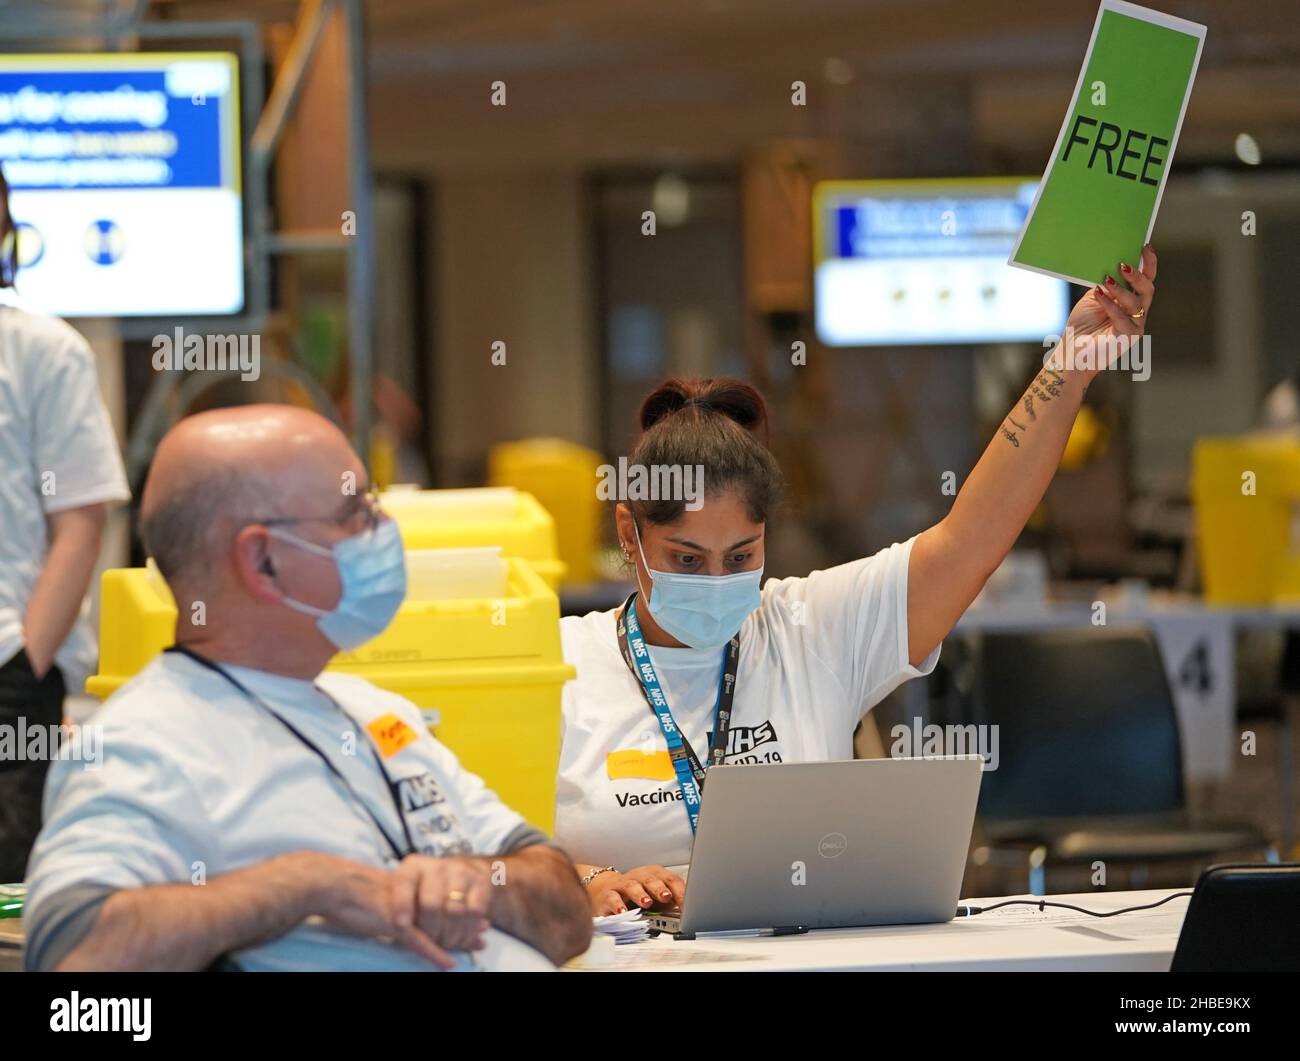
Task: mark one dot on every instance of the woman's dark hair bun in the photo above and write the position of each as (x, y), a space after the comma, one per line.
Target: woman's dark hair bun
(718, 425)
(732, 398)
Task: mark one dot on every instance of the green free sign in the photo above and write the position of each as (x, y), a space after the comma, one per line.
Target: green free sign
(1097, 201)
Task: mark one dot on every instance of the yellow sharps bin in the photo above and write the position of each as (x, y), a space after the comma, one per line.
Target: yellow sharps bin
(1247, 497)
(563, 476)
(457, 519)
(487, 673)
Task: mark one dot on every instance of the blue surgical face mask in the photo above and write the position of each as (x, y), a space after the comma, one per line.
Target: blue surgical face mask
(703, 611)
(372, 574)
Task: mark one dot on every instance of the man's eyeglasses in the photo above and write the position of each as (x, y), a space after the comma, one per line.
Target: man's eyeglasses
(360, 510)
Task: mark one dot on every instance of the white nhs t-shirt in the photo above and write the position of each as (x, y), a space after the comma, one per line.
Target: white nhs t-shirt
(817, 654)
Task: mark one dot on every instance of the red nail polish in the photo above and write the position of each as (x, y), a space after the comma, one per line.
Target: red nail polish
(1110, 280)
(1124, 268)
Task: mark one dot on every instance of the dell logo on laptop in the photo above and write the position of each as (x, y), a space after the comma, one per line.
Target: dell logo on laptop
(832, 845)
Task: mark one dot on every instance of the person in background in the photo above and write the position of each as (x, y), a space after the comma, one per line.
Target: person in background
(1281, 412)
(704, 665)
(251, 811)
(60, 469)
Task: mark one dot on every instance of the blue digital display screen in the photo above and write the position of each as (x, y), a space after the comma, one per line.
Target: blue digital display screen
(124, 172)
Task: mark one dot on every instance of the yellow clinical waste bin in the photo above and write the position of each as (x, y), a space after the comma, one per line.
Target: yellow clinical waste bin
(1246, 493)
(457, 519)
(563, 476)
(487, 673)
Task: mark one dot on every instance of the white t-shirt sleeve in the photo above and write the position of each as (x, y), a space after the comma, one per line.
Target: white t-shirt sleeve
(132, 821)
(853, 620)
(72, 438)
(493, 827)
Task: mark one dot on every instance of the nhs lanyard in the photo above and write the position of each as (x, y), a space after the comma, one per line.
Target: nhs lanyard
(686, 765)
(356, 799)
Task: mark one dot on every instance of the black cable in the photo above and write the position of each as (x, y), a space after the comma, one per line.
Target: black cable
(971, 911)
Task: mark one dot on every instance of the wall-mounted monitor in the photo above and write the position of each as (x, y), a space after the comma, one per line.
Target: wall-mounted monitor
(124, 172)
(909, 262)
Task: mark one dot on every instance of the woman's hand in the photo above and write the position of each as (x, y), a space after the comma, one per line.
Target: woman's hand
(1108, 310)
(646, 887)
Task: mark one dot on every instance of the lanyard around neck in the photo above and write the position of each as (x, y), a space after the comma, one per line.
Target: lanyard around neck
(686, 765)
(256, 700)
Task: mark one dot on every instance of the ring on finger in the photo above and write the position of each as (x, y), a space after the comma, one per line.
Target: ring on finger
(1142, 312)
(455, 896)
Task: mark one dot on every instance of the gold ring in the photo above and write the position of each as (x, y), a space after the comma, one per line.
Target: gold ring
(1139, 314)
(455, 897)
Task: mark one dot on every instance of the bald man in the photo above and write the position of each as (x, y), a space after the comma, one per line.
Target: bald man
(251, 811)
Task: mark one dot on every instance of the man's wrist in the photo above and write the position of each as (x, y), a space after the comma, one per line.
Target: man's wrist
(305, 879)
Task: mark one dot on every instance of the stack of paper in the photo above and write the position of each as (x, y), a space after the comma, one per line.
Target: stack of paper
(627, 927)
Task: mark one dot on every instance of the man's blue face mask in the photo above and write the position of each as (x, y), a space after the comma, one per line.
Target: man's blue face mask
(372, 574)
(702, 611)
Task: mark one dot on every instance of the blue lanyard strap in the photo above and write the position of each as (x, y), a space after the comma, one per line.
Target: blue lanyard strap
(686, 765)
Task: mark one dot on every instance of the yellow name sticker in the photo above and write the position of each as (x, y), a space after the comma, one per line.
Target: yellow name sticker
(628, 762)
(390, 734)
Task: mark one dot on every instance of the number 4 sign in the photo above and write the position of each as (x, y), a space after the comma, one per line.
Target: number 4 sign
(1200, 662)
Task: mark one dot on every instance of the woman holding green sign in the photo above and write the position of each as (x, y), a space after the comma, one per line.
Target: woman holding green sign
(700, 657)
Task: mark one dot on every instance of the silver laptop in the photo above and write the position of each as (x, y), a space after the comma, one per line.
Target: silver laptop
(797, 846)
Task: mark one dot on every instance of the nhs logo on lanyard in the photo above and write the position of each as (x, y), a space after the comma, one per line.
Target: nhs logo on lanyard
(430, 823)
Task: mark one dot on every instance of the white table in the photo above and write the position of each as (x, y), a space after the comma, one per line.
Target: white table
(1015, 938)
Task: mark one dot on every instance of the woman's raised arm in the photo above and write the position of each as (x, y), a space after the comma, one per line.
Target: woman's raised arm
(951, 561)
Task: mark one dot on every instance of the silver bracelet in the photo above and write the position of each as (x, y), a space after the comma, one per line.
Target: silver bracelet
(596, 873)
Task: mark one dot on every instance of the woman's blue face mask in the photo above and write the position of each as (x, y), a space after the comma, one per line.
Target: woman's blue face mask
(702, 611)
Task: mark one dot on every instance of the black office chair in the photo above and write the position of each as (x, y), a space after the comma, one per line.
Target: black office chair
(1090, 767)
(1242, 919)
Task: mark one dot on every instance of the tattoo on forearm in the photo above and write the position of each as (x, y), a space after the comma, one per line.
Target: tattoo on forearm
(1044, 389)
(1051, 385)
